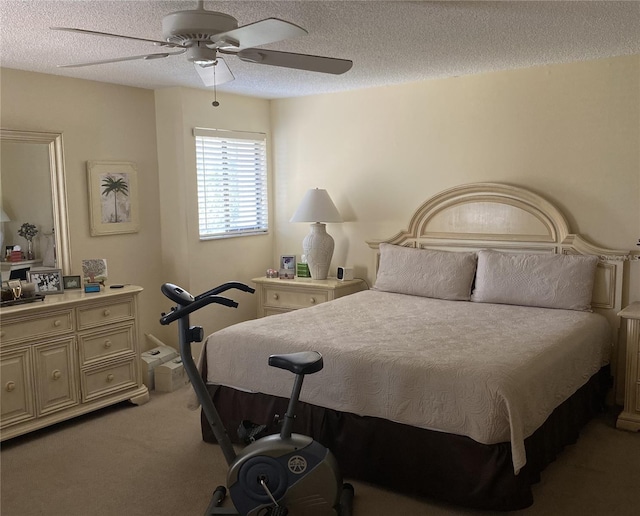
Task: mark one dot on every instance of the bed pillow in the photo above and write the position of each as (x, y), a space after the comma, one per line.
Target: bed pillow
(427, 273)
(543, 280)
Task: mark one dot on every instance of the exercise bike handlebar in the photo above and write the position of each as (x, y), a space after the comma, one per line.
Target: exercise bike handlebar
(226, 286)
(186, 304)
(198, 303)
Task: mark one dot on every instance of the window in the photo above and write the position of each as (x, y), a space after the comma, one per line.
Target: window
(232, 183)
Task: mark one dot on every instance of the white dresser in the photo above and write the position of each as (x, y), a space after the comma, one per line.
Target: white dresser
(69, 354)
(629, 418)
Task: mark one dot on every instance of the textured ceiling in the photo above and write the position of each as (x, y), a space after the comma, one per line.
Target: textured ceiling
(389, 42)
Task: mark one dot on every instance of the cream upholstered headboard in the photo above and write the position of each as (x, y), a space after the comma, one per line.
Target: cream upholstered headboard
(505, 217)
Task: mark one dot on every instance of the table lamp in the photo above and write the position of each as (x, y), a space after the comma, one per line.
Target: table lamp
(317, 207)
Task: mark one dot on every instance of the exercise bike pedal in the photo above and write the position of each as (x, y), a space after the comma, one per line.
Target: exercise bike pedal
(215, 505)
(346, 500)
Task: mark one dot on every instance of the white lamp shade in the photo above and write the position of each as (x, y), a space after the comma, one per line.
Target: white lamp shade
(316, 206)
(3, 216)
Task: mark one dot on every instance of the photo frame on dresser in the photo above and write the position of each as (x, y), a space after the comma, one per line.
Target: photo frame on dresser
(46, 281)
(71, 282)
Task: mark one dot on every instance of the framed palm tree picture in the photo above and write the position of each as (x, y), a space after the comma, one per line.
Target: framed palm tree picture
(113, 197)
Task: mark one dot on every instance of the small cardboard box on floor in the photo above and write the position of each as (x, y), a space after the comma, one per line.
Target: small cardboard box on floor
(152, 359)
(170, 376)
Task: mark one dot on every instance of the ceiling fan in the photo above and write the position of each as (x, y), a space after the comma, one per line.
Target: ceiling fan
(203, 35)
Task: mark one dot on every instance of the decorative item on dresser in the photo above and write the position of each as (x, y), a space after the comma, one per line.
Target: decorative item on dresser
(67, 355)
(275, 296)
(317, 207)
(629, 418)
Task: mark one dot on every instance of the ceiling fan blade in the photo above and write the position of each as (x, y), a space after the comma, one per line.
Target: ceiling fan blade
(257, 34)
(109, 35)
(298, 61)
(214, 74)
(120, 59)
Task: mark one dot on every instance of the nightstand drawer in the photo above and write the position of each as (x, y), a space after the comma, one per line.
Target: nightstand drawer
(108, 343)
(277, 296)
(293, 299)
(37, 327)
(108, 379)
(105, 313)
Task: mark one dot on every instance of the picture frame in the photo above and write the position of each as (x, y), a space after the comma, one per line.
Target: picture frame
(287, 266)
(113, 197)
(47, 281)
(94, 270)
(71, 282)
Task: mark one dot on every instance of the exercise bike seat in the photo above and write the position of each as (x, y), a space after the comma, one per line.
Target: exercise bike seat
(304, 362)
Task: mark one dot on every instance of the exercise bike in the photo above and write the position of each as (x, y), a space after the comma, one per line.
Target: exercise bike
(278, 475)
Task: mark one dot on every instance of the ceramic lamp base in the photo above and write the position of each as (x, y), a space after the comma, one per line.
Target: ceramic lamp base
(318, 246)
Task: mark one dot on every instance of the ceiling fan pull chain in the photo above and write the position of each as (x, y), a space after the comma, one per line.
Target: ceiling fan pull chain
(215, 102)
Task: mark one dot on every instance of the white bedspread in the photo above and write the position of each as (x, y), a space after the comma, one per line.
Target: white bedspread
(491, 372)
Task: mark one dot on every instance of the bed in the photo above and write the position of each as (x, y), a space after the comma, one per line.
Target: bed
(487, 342)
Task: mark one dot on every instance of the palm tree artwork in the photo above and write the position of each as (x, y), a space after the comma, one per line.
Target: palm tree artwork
(118, 209)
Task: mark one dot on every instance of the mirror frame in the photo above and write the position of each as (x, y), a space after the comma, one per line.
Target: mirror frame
(58, 188)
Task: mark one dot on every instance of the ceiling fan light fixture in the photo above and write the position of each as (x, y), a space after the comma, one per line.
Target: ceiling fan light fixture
(205, 62)
(201, 55)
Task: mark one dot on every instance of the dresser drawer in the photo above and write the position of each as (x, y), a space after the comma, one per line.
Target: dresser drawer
(51, 324)
(106, 380)
(56, 377)
(17, 403)
(294, 299)
(107, 343)
(105, 313)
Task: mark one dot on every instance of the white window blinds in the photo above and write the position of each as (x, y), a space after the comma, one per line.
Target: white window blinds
(232, 183)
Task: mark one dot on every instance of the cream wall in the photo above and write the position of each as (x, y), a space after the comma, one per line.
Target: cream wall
(193, 264)
(569, 132)
(102, 121)
(99, 122)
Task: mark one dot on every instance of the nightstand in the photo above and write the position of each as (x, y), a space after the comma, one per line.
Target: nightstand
(276, 296)
(629, 418)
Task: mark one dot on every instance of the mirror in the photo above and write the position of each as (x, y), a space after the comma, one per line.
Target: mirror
(33, 190)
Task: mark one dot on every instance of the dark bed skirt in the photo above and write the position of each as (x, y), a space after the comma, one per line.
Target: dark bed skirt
(419, 462)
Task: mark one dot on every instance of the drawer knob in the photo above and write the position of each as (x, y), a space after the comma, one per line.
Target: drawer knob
(110, 378)
(107, 312)
(56, 374)
(312, 300)
(276, 296)
(10, 386)
(107, 344)
(57, 323)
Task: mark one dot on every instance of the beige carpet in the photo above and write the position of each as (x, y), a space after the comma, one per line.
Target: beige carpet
(150, 460)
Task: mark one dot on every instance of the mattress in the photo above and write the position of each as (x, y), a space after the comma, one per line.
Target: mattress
(491, 372)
